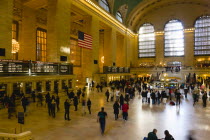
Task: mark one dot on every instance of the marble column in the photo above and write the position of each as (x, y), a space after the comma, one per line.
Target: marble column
(60, 85)
(34, 85)
(43, 86)
(58, 30)
(9, 89)
(6, 15)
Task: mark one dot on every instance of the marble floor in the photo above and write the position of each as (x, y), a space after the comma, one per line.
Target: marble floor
(142, 119)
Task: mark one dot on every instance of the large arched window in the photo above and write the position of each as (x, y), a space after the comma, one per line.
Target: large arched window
(119, 17)
(202, 36)
(146, 41)
(174, 38)
(104, 4)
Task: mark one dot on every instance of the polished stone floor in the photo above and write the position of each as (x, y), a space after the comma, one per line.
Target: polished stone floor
(142, 119)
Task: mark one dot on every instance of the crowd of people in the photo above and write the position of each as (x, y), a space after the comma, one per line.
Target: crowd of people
(119, 92)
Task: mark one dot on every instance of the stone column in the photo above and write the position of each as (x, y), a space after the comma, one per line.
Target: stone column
(6, 15)
(9, 89)
(67, 83)
(58, 30)
(24, 87)
(28, 35)
(95, 51)
(33, 85)
(60, 85)
(43, 86)
(188, 51)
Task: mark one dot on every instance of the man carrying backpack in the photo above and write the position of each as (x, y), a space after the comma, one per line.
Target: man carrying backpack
(102, 119)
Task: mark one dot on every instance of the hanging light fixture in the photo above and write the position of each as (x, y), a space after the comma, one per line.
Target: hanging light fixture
(15, 46)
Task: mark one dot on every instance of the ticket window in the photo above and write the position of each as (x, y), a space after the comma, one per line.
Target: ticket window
(39, 86)
(63, 84)
(70, 83)
(3, 90)
(48, 85)
(56, 85)
(28, 87)
(16, 89)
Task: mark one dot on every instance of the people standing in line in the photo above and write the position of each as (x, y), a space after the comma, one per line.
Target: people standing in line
(102, 115)
(125, 108)
(168, 136)
(204, 98)
(152, 135)
(67, 108)
(121, 101)
(89, 105)
(57, 100)
(116, 107)
(178, 97)
(107, 95)
(53, 104)
(24, 101)
(75, 103)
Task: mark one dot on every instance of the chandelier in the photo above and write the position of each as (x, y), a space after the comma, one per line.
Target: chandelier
(15, 46)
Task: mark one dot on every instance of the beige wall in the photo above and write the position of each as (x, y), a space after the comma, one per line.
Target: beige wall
(159, 17)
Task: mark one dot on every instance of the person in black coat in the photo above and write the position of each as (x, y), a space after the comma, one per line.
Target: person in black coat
(67, 108)
(89, 105)
(168, 136)
(204, 98)
(121, 101)
(57, 100)
(75, 102)
(107, 95)
(24, 101)
(116, 107)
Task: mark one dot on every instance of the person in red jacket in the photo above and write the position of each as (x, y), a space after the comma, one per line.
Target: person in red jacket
(125, 108)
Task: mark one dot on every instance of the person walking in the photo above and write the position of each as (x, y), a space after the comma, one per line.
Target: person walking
(67, 107)
(102, 115)
(107, 95)
(24, 101)
(83, 103)
(148, 96)
(75, 103)
(168, 136)
(204, 98)
(178, 97)
(116, 107)
(89, 105)
(125, 108)
(53, 104)
(57, 100)
(121, 101)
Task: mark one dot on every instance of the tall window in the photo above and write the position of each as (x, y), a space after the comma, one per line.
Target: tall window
(119, 17)
(174, 38)
(41, 44)
(202, 36)
(146, 41)
(104, 4)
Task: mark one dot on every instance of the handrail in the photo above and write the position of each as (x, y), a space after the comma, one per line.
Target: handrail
(22, 136)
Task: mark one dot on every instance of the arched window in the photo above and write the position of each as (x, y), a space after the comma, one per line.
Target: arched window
(119, 17)
(146, 41)
(202, 36)
(174, 38)
(104, 4)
